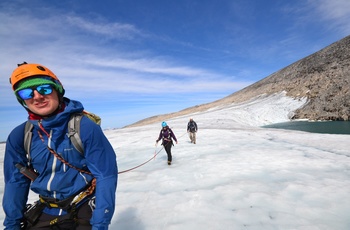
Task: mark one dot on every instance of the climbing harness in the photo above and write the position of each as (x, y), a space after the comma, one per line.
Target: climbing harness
(70, 204)
(33, 212)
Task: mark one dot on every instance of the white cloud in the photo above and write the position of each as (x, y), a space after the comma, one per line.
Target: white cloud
(111, 30)
(155, 65)
(335, 13)
(75, 58)
(334, 9)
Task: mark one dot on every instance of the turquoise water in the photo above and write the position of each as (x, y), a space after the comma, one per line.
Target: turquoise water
(331, 127)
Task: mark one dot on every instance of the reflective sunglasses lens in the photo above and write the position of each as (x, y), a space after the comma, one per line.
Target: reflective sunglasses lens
(25, 94)
(44, 89)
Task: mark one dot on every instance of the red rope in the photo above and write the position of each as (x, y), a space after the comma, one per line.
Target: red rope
(66, 162)
(147, 160)
(57, 155)
(87, 172)
(142, 163)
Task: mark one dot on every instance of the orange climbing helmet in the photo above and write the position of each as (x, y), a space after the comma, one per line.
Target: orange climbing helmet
(26, 70)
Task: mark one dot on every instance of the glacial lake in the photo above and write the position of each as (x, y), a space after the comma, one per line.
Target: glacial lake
(331, 127)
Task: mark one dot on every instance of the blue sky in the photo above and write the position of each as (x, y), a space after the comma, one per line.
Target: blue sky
(128, 60)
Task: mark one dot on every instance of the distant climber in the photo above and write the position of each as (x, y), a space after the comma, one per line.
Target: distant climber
(192, 129)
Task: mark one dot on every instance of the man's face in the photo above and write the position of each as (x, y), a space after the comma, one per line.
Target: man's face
(43, 105)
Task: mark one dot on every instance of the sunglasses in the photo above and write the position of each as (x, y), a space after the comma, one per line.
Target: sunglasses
(28, 93)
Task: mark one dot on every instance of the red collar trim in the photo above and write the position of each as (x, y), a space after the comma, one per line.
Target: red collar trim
(33, 116)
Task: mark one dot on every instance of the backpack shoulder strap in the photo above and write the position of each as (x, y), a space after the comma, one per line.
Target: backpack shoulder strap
(74, 131)
(28, 138)
(73, 134)
(169, 133)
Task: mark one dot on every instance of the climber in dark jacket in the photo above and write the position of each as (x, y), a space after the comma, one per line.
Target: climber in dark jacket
(192, 129)
(167, 135)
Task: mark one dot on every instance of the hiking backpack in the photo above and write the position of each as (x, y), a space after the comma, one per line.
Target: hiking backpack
(73, 131)
(192, 126)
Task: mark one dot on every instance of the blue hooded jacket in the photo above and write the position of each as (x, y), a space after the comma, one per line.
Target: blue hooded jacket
(56, 179)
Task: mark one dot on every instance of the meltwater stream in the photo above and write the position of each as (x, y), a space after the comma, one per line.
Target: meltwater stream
(330, 127)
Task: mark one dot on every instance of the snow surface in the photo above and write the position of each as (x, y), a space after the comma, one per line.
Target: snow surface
(237, 176)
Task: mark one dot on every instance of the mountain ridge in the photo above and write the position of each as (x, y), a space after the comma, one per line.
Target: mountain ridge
(323, 77)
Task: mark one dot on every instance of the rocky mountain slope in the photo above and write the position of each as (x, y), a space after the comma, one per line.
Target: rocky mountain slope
(323, 77)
